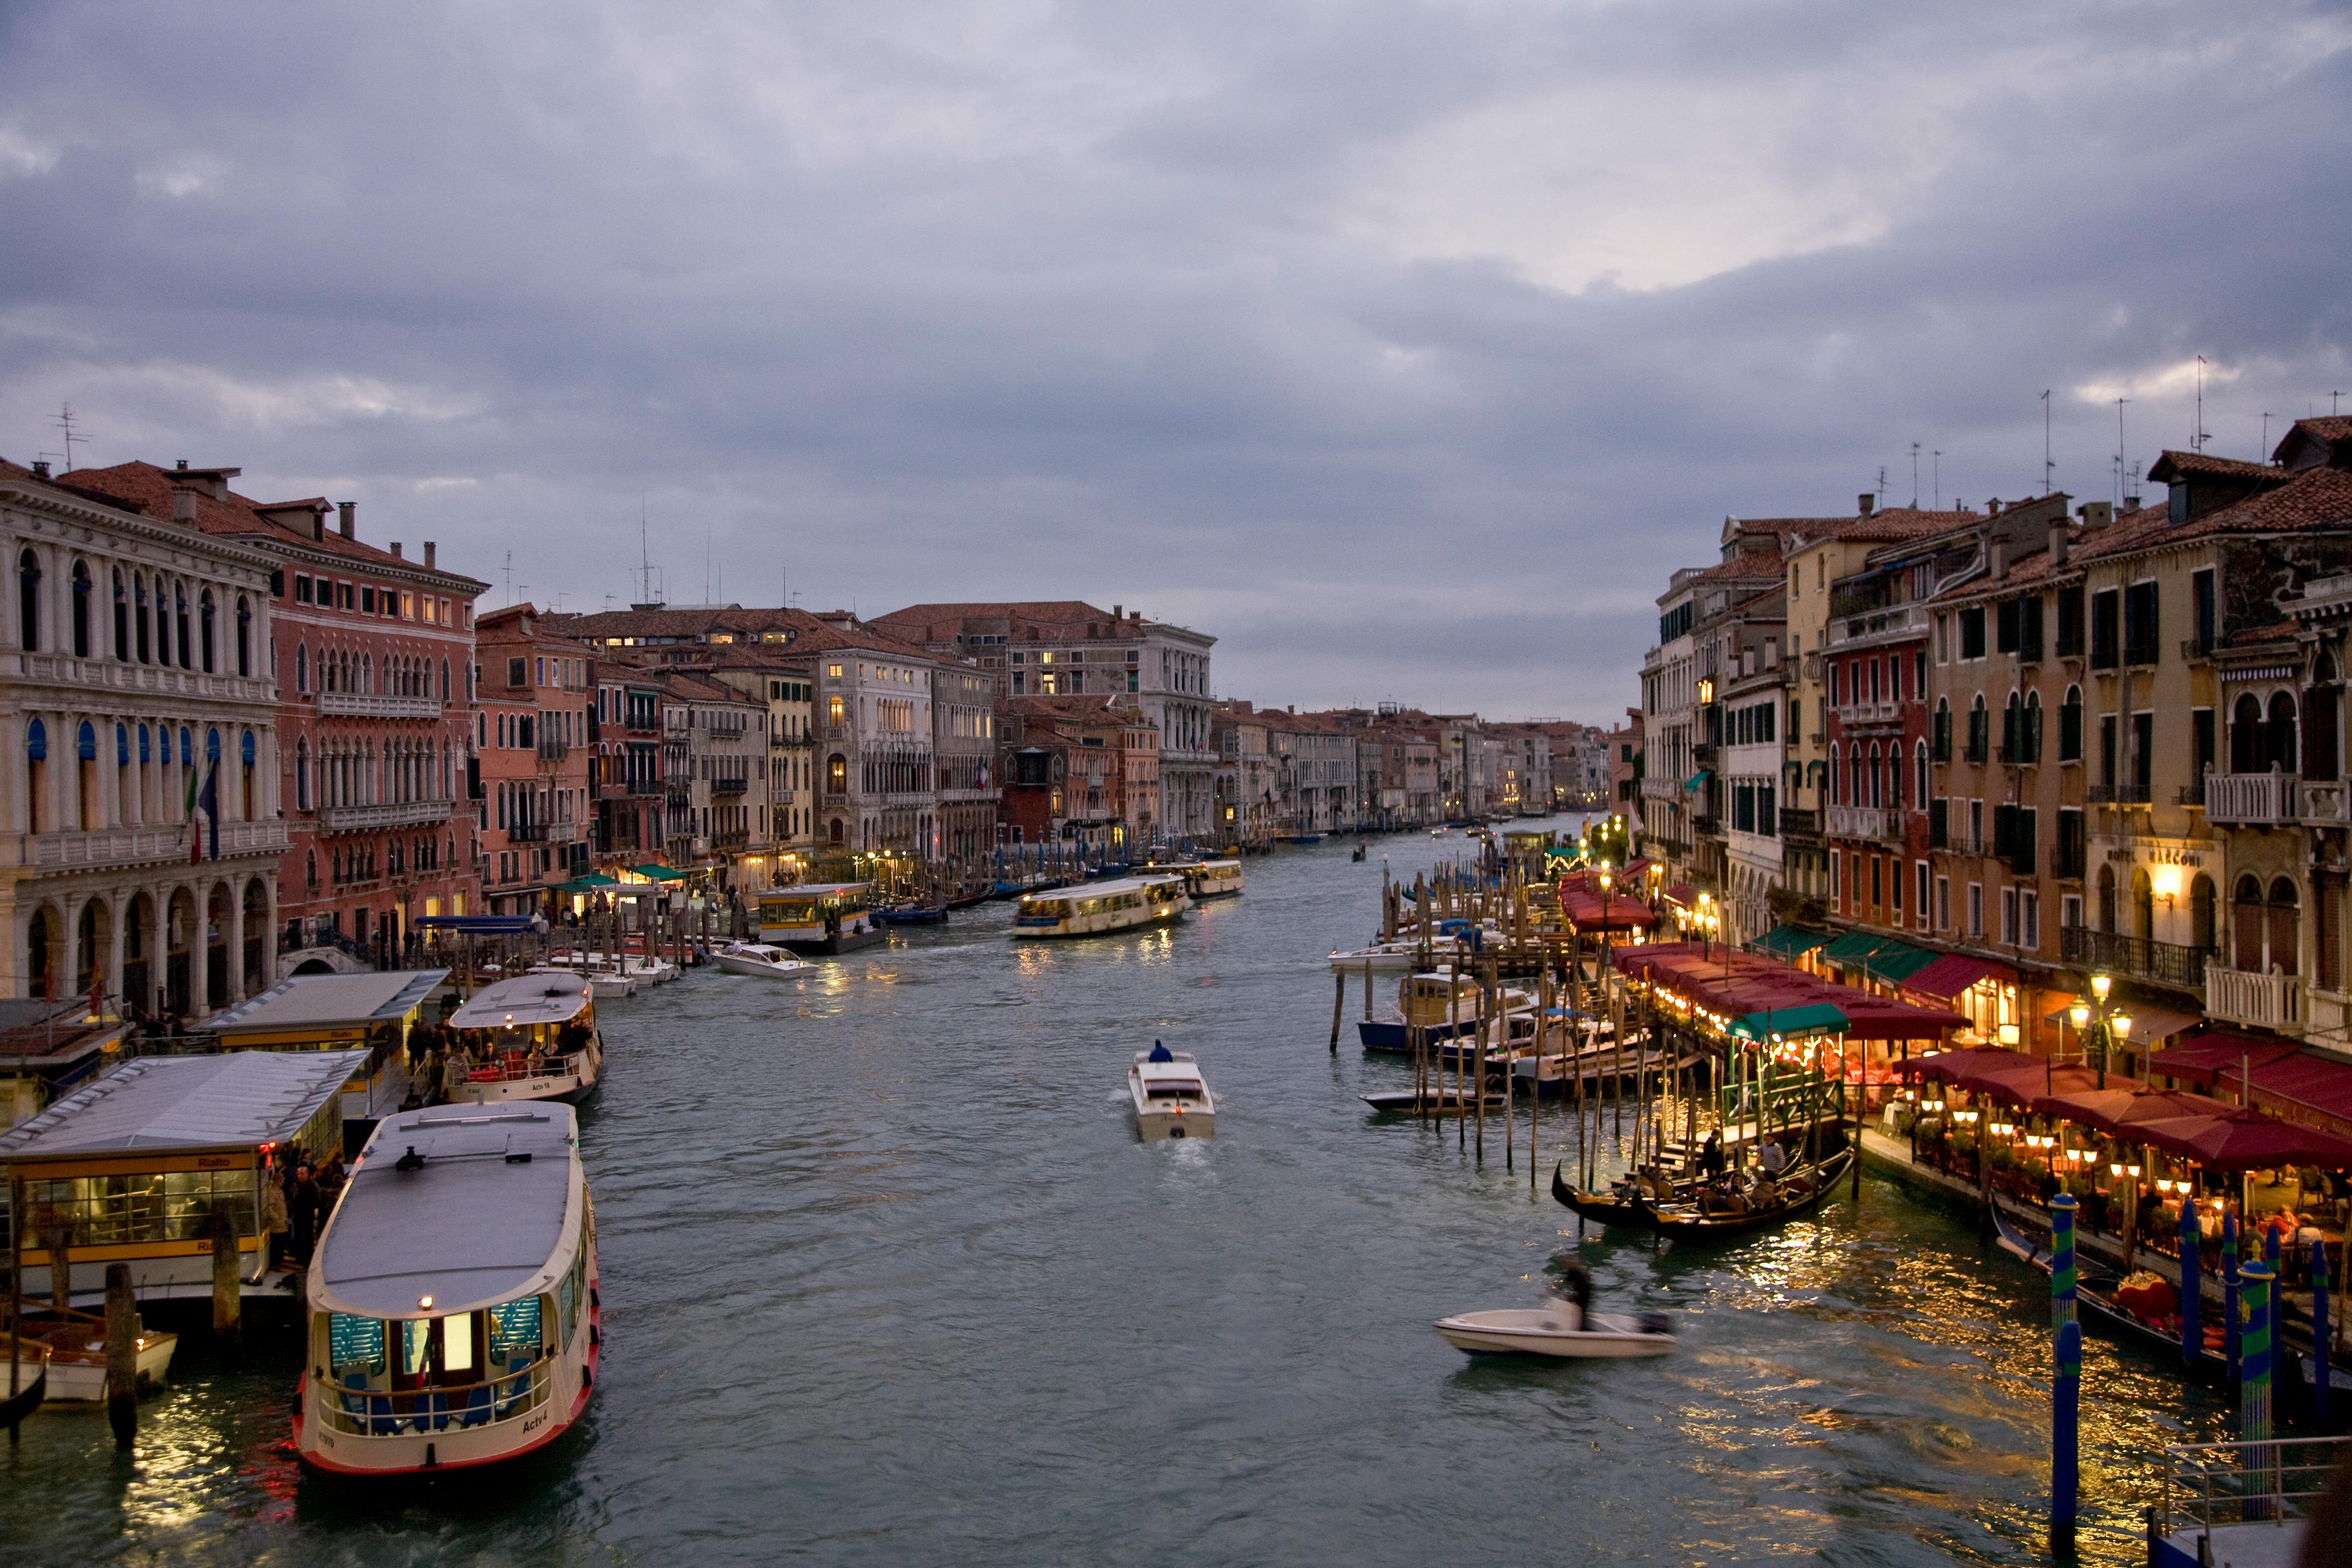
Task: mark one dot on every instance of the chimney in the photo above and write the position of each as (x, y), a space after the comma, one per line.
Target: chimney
(181, 465)
(1997, 558)
(2058, 543)
(2131, 503)
(40, 468)
(184, 506)
(2096, 513)
(1867, 502)
(1992, 507)
(350, 521)
(395, 550)
(428, 555)
(1118, 612)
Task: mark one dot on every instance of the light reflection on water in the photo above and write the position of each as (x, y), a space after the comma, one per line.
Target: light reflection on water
(889, 1278)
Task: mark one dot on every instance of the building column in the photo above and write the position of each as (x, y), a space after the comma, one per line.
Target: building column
(118, 907)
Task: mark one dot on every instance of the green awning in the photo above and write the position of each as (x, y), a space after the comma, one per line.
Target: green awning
(1813, 1018)
(1695, 780)
(1853, 947)
(659, 873)
(1897, 962)
(589, 883)
(1790, 942)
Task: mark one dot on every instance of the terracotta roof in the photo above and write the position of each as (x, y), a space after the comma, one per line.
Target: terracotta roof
(2327, 428)
(693, 688)
(149, 491)
(691, 624)
(2313, 501)
(2175, 465)
(1745, 566)
(1059, 620)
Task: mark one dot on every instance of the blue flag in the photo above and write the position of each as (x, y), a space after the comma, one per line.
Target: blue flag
(208, 802)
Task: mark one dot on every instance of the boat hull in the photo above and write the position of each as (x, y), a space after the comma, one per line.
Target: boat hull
(734, 963)
(32, 1387)
(1069, 931)
(570, 1088)
(1640, 1216)
(1533, 1331)
(1154, 1125)
(79, 1380)
(831, 946)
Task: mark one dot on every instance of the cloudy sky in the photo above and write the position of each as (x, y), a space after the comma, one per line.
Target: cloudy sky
(1404, 347)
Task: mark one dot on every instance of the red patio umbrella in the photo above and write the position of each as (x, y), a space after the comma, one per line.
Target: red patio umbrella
(2243, 1140)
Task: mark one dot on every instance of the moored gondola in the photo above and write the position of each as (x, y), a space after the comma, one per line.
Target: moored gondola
(1808, 1188)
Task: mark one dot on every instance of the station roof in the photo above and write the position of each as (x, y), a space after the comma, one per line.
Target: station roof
(307, 1001)
(237, 1100)
(486, 1218)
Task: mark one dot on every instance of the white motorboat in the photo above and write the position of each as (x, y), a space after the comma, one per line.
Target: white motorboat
(758, 959)
(452, 1310)
(535, 1037)
(602, 981)
(649, 970)
(1172, 1099)
(76, 1351)
(1559, 1329)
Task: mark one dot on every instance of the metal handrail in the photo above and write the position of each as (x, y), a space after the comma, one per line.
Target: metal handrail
(2272, 1480)
(410, 1411)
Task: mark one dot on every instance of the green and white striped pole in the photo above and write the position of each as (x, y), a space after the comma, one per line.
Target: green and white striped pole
(2254, 1385)
(2062, 1261)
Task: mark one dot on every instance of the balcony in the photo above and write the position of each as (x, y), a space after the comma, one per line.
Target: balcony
(63, 669)
(1864, 822)
(2252, 800)
(733, 783)
(366, 705)
(143, 846)
(1894, 624)
(645, 786)
(1796, 824)
(1856, 713)
(2327, 803)
(527, 833)
(1707, 826)
(554, 748)
(2270, 1001)
(360, 818)
(730, 838)
(2119, 794)
(2164, 962)
(837, 797)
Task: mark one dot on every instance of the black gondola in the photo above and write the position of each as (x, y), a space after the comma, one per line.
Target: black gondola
(1611, 1209)
(29, 1398)
(1448, 1099)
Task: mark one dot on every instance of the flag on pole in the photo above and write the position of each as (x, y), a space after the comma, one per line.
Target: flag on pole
(188, 815)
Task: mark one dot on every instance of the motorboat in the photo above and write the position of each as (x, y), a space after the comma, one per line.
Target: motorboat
(1437, 1004)
(1099, 909)
(758, 959)
(1202, 879)
(648, 968)
(1172, 1099)
(1402, 953)
(603, 982)
(73, 1344)
(452, 1313)
(531, 1037)
(1564, 1326)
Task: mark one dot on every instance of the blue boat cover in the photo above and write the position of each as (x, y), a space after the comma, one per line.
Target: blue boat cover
(1160, 1053)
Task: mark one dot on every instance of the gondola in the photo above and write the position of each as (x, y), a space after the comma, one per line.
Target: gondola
(1688, 1224)
(27, 1399)
(1435, 1100)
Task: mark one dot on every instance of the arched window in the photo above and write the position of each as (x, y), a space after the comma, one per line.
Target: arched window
(245, 756)
(2247, 745)
(2322, 715)
(2201, 913)
(836, 774)
(81, 587)
(444, 680)
(244, 636)
(2283, 928)
(1924, 793)
(302, 667)
(139, 617)
(86, 776)
(37, 768)
(2107, 899)
(1877, 790)
(2279, 747)
(122, 620)
(28, 601)
(180, 624)
(204, 620)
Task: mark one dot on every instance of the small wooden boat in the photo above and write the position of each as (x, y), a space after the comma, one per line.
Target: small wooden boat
(1560, 1330)
(1172, 1099)
(1405, 1099)
(1438, 1006)
(32, 1362)
(1803, 1189)
(75, 1345)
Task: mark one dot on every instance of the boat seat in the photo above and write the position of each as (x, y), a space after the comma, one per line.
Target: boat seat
(475, 1408)
(517, 1385)
(355, 1405)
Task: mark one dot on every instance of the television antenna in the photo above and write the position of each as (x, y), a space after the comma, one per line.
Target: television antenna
(1938, 472)
(2047, 465)
(1915, 476)
(64, 421)
(2123, 463)
(2198, 443)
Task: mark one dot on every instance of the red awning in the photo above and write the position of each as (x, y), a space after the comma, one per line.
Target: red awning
(1951, 976)
(2245, 1141)
(2201, 1057)
(1682, 893)
(1588, 909)
(1725, 981)
(2299, 1084)
(1944, 1067)
(2123, 1102)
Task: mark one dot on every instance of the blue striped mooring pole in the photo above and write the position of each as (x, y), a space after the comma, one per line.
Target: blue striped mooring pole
(2062, 1261)
(2230, 1327)
(2254, 1385)
(2066, 1404)
(2319, 1332)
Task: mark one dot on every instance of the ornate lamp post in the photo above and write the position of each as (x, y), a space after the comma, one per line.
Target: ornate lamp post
(2100, 1025)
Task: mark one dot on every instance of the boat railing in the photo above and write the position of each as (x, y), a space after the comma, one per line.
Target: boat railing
(394, 1413)
(515, 1069)
(2208, 1484)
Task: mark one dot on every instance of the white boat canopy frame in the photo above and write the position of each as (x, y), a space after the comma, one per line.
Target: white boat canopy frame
(526, 1000)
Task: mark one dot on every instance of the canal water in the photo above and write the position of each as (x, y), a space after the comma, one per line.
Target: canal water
(888, 1279)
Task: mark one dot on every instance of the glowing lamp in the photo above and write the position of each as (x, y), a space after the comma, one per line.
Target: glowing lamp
(2081, 1015)
(2122, 1022)
(424, 1303)
(2101, 985)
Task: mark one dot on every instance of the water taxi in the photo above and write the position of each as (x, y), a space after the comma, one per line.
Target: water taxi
(531, 1037)
(452, 1316)
(820, 918)
(760, 960)
(1172, 1099)
(1098, 908)
(1202, 879)
(603, 981)
(74, 1345)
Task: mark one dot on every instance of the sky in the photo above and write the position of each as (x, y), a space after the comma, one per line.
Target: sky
(1405, 348)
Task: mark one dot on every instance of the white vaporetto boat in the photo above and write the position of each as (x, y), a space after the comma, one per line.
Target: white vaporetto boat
(1202, 879)
(452, 1310)
(1172, 1099)
(758, 959)
(531, 1037)
(1098, 909)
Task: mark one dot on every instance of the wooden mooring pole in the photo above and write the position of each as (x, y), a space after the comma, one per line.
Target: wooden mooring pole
(229, 1289)
(1339, 1006)
(122, 1356)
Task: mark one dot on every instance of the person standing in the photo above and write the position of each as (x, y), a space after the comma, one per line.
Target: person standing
(275, 1222)
(303, 1211)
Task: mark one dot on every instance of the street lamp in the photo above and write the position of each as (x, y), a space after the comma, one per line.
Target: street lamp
(2099, 1023)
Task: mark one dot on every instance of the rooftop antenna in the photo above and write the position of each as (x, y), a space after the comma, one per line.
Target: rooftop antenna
(645, 557)
(65, 422)
(706, 563)
(1938, 469)
(2331, 403)
(2266, 436)
(508, 570)
(2047, 466)
(1915, 476)
(2123, 463)
(2196, 443)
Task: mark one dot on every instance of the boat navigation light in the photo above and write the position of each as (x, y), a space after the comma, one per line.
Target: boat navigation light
(424, 1303)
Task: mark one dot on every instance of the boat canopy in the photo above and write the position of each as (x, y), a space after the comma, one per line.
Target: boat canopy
(491, 1214)
(241, 1099)
(528, 999)
(310, 1005)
